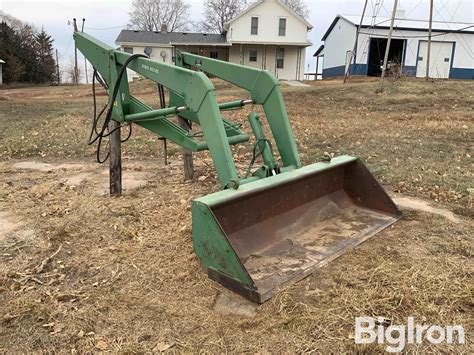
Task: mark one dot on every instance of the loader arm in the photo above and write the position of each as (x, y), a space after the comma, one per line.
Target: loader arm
(264, 89)
(195, 89)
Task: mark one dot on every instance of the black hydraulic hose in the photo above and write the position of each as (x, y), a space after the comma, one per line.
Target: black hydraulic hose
(95, 117)
(104, 131)
(161, 93)
(257, 152)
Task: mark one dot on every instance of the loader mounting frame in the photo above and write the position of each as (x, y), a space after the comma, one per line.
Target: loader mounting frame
(193, 97)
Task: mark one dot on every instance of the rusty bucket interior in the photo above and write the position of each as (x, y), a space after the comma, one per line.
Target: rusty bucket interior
(283, 233)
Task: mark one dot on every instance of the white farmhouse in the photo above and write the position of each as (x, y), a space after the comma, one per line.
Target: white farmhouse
(452, 48)
(268, 35)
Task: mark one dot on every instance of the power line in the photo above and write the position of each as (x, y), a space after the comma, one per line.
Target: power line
(461, 39)
(104, 28)
(67, 48)
(459, 31)
(354, 50)
(385, 9)
(375, 12)
(414, 8)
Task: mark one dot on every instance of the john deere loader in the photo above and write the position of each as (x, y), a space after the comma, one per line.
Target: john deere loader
(277, 222)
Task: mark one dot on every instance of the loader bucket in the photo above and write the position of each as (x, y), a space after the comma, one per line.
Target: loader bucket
(272, 232)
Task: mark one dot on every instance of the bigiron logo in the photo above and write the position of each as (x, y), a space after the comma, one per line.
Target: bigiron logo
(369, 330)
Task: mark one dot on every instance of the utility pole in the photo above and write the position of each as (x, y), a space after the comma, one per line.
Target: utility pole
(428, 55)
(389, 40)
(85, 60)
(57, 67)
(75, 54)
(354, 51)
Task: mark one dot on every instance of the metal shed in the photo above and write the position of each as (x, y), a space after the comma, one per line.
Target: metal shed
(452, 49)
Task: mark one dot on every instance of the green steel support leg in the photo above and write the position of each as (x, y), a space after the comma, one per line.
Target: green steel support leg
(209, 118)
(216, 138)
(281, 130)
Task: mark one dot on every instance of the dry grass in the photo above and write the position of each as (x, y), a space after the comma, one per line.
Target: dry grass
(125, 277)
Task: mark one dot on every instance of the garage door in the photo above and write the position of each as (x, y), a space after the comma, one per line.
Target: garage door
(440, 59)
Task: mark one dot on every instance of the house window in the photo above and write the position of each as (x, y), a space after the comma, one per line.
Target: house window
(128, 50)
(254, 26)
(282, 27)
(252, 56)
(214, 55)
(280, 58)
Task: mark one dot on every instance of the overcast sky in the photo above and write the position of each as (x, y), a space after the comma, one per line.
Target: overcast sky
(105, 18)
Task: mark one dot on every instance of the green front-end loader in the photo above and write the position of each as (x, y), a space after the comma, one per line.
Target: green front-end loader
(280, 223)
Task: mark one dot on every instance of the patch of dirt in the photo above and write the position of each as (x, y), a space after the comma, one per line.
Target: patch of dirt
(41, 166)
(97, 176)
(294, 83)
(6, 223)
(231, 304)
(76, 179)
(12, 230)
(424, 206)
(131, 180)
(46, 93)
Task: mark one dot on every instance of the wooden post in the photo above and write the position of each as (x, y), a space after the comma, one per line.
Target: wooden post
(354, 51)
(389, 40)
(165, 150)
(76, 72)
(187, 154)
(115, 159)
(428, 54)
(317, 68)
(57, 67)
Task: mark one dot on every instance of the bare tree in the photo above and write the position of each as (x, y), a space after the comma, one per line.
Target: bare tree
(70, 73)
(298, 6)
(150, 15)
(12, 21)
(218, 12)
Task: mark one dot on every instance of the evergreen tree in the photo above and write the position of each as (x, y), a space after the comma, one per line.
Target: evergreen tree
(25, 51)
(13, 69)
(44, 56)
(28, 54)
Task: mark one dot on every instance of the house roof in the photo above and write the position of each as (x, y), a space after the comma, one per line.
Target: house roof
(403, 24)
(150, 37)
(318, 51)
(257, 3)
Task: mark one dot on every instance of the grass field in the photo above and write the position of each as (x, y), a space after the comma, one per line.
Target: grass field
(82, 271)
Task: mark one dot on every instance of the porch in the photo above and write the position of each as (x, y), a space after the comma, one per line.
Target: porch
(286, 62)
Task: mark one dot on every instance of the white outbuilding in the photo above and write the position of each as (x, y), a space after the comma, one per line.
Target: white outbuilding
(452, 47)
